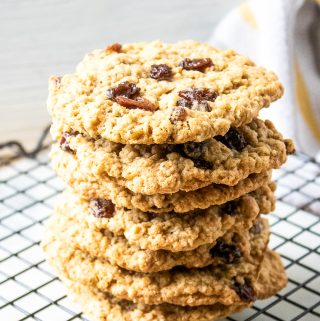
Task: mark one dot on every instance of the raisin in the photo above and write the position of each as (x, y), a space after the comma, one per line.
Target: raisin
(202, 164)
(161, 72)
(245, 291)
(64, 144)
(126, 94)
(124, 89)
(197, 99)
(196, 64)
(228, 252)
(233, 139)
(101, 207)
(139, 102)
(116, 47)
(230, 207)
(177, 114)
(256, 227)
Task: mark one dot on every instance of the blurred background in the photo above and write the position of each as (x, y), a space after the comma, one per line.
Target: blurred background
(40, 38)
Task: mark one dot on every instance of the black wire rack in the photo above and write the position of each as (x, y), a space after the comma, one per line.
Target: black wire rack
(29, 289)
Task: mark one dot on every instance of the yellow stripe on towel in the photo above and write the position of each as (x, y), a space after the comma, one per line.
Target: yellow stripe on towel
(304, 102)
(248, 16)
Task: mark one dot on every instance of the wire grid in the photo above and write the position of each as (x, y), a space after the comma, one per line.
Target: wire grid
(29, 289)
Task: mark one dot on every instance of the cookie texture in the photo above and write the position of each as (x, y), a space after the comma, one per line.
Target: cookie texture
(201, 98)
(158, 169)
(101, 306)
(181, 286)
(74, 174)
(171, 231)
(231, 247)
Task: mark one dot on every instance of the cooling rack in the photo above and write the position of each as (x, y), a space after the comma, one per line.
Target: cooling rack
(29, 289)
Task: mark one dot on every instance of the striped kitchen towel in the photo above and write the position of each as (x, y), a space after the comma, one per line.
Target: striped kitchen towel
(283, 35)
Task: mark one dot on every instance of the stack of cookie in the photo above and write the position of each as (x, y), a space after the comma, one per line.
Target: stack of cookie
(169, 171)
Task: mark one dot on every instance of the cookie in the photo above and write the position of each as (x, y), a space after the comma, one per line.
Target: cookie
(156, 93)
(74, 174)
(229, 248)
(181, 286)
(101, 306)
(169, 231)
(162, 169)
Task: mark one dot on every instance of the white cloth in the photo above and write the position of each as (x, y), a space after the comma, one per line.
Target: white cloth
(284, 36)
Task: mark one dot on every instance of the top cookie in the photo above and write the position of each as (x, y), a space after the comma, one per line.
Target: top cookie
(155, 93)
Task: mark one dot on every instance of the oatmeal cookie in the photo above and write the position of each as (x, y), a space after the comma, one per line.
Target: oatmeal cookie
(163, 169)
(181, 286)
(74, 174)
(155, 93)
(168, 231)
(231, 247)
(101, 306)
